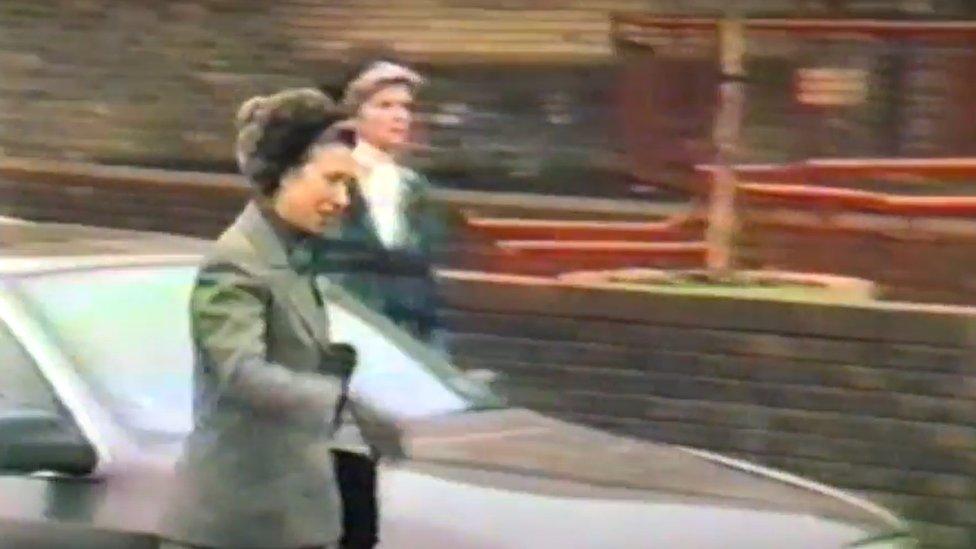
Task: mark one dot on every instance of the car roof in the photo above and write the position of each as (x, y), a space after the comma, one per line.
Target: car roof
(37, 246)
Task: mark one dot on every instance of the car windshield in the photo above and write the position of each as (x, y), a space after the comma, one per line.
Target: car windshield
(127, 331)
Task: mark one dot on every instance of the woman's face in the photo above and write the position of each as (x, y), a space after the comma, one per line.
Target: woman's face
(384, 119)
(316, 194)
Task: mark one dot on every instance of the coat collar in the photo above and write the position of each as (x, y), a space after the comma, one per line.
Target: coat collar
(257, 229)
(369, 157)
(260, 233)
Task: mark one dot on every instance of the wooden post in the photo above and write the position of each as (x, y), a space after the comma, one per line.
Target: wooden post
(721, 212)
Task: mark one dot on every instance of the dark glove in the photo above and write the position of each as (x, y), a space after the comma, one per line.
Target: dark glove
(341, 357)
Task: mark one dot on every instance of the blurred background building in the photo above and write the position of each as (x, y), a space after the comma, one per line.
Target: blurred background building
(524, 95)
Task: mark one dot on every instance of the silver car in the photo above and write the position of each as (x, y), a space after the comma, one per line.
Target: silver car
(95, 403)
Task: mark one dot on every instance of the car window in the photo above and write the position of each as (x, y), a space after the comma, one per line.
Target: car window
(21, 386)
(127, 330)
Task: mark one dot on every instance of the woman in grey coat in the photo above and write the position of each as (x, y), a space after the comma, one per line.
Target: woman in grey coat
(257, 470)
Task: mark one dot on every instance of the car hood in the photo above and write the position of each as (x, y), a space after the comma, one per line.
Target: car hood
(555, 458)
(507, 479)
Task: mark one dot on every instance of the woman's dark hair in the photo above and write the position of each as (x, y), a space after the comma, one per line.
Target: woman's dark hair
(277, 133)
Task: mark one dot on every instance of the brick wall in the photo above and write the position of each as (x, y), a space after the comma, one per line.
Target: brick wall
(521, 92)
(916, 256)
(150, 83)
(908, 263)
(188, 203)
(917, 101)
(878, 400)
(910, 259)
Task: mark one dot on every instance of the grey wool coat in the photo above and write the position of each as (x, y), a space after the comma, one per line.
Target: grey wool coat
(257, 472)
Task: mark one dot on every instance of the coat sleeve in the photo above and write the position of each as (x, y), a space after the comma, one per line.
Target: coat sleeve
(229, 309)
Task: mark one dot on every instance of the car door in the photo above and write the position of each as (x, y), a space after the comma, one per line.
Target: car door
(46, 501)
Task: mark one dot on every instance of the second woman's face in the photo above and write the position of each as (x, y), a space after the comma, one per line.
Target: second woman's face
(315, 195)
(384, 119)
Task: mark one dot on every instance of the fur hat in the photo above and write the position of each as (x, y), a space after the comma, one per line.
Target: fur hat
(275, 132)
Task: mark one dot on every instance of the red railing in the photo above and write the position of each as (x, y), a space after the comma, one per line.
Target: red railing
(866, 29)
(819, 186)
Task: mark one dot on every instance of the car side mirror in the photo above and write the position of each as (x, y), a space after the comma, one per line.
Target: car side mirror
(33, 441)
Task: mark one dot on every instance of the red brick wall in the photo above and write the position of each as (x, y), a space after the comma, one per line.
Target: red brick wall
(874, 399)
